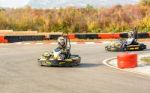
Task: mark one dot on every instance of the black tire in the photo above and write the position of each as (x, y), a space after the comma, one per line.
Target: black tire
(142, 46)
(78, 59)
(106, 48)
(40, 63)
(124, 48)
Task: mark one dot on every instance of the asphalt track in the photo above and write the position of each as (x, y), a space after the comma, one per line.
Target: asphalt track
(20, 73)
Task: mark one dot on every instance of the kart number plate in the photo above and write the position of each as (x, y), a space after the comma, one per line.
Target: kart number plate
(68, 59)
(136, 47)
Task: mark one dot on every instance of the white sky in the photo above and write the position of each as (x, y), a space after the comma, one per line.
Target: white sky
(13, 3)
(20, 3)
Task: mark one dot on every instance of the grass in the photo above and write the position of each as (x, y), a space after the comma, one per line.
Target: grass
(146, 59)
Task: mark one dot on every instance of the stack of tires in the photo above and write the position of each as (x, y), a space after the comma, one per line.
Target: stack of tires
(3, 40)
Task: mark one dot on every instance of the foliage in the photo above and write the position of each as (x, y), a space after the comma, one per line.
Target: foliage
(146, 60)
(77, 20)
(145, 2)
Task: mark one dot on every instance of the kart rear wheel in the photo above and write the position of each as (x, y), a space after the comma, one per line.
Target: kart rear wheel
(108, 48)
(76, 59)
(142, 46)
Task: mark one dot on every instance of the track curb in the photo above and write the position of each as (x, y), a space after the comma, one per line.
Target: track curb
(106, 62)
(55, 43)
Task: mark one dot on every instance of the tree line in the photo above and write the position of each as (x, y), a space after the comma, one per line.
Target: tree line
(78, 20)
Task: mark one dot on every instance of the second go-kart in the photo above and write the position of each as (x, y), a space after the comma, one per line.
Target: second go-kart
(60, 56)
(130, 44)
(120, 45)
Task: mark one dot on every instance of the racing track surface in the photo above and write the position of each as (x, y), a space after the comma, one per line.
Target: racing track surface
(20, 73)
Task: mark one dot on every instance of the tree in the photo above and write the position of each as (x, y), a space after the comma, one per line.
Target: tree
(89, 7)
(145, 2)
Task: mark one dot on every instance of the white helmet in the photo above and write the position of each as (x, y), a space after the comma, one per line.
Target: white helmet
(62, 41)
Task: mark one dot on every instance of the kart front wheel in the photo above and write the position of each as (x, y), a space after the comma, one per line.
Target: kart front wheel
(40, 63)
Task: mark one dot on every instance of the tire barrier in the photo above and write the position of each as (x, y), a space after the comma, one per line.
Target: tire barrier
(140, 35)
(86, 36)
(116, 35)
(149, 34)
(109, 35)
(127, 60)
(3, 40)
(12, 39)
(143, 35)
(71, 36)
(124, 35)
(54, 36)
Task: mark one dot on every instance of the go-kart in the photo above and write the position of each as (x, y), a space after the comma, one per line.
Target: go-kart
(121, 45)
(59, 58)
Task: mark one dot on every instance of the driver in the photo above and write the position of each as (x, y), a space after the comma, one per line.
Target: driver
(132, 36)
(130, 39)
(62, 44)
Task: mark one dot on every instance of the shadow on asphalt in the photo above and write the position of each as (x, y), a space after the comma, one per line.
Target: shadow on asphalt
(147, 50)
(87, 65)
(82, 65)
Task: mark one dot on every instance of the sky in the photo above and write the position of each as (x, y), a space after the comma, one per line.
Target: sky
(21, 3)
(13, 3)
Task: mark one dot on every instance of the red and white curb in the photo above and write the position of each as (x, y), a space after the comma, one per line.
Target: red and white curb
(55, 43)
(133, 70)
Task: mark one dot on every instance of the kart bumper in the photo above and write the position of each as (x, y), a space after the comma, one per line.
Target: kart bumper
(73, 61)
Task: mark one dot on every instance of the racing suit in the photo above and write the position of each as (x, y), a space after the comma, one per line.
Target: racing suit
(64, 50)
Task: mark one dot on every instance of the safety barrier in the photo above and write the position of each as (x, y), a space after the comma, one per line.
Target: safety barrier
(149, 34)
(140, 35)
(19, 38)
(86, 36)
(127, 60)
(109, 35)
(124, 35)
(54, 36)
(3, 40)
(71, 36)
(99, 36)
(12, 39)
(143, 35)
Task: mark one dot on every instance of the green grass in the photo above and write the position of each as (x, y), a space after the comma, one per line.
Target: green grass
(146, 59)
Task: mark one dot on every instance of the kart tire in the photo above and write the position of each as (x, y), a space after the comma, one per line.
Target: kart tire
(77, 59)
(108, 48)
(124, 48)
(40, 63)
(142, 46)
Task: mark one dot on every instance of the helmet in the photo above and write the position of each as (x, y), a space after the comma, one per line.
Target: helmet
(62, 41)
